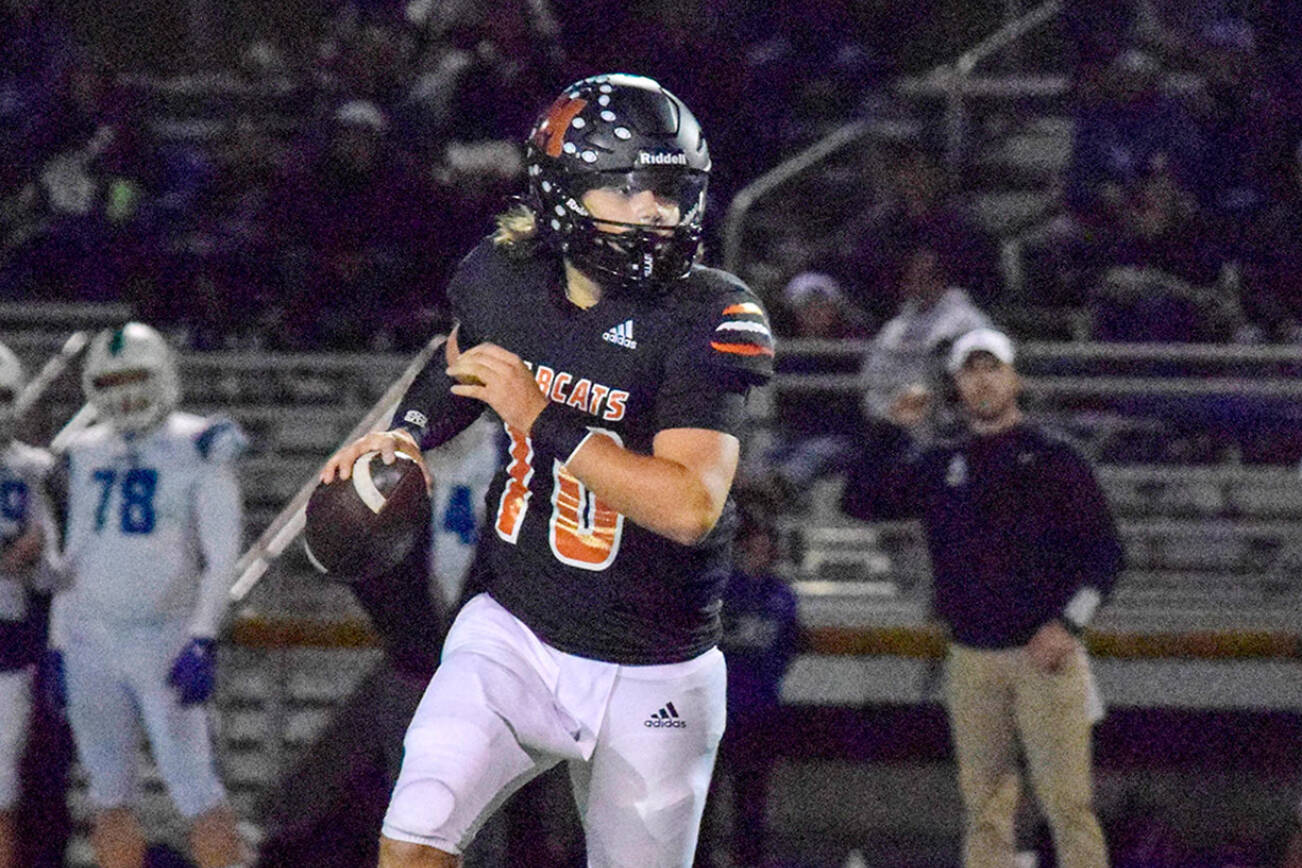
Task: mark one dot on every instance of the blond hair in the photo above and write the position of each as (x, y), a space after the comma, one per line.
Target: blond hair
(517, 229)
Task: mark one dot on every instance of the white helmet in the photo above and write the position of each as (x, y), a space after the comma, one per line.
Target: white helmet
(130, 377)
(11, 384)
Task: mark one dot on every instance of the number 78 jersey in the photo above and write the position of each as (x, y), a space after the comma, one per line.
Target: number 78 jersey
(584, 577)
(149, 515)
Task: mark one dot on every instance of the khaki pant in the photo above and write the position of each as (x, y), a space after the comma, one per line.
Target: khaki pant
(995, 699)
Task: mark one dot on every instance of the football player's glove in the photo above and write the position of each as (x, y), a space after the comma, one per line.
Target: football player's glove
(194, 672)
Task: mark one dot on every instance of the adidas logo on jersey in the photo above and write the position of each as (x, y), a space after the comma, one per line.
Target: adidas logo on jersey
(666, 717)
(621, 334)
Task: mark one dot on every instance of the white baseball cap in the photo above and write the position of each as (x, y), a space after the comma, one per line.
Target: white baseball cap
(809, 285)
(361, 113)
(995, 343)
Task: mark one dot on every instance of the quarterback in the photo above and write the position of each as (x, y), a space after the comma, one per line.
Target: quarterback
(619, 369)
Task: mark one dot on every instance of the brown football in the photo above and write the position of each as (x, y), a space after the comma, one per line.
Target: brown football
(365, 525)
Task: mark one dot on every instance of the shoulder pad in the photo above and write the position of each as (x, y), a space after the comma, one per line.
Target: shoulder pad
(484, 270)
(461, 286)
(492, 288)
(40, 460)
(221, 440)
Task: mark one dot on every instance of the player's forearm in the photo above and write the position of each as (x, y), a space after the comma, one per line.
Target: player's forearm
(659, 494)
(220, 530)
(428, 410)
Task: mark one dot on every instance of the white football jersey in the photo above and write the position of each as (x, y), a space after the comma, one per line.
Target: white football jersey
(23, 473)
(154, 522)
(463, 469)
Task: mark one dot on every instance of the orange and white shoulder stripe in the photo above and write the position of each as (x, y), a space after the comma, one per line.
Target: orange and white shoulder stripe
(744, 332)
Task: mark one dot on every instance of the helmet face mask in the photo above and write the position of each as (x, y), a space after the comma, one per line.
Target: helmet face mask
(625, 133)
(130, 378)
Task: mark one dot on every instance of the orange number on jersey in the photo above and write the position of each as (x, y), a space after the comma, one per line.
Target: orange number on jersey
(515, 497)
(583, 531)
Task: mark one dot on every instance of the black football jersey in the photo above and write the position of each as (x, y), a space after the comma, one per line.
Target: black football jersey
(582, 576)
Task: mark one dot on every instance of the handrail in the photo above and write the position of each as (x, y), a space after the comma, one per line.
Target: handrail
(780, 174)
(53, 368)
(1100, 386)
(912, 640)
(1229, 354)
(60, 312)
(846, 135)
(1006, 36)
(840, 138)
(956, 75)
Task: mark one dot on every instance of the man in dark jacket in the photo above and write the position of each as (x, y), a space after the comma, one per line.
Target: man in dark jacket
(1023, 550)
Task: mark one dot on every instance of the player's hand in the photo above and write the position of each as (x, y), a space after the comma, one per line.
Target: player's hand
(194, 672)
(53, 682)
(911, 406)
(387, 443)
(1050, 647)
(22, 553)
(500, 379)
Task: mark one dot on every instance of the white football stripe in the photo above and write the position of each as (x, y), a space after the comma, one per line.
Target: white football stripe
(364, 485)
(307, 550)
(742, 326)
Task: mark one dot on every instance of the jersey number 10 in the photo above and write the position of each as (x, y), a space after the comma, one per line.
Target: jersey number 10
(583, 530)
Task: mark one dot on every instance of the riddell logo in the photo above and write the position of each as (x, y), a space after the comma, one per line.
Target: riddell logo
(661, 158)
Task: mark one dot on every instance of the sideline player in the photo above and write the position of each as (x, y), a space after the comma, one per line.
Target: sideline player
(28, 542)
(154, 528)
(620, 370)
(462, 470)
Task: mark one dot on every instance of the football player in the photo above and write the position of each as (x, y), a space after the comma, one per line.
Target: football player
(619, 369)
(154, 528)
(28, 543)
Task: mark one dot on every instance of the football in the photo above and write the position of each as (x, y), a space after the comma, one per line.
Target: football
(365, 525)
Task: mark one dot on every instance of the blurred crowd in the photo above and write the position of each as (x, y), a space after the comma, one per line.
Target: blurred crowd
(324, 197)
(320, 198)
(1176, 217)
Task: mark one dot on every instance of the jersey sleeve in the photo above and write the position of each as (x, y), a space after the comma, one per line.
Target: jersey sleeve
(428, 409)
(727, 348)
(218, 513)
(732, 337)
(221, 440)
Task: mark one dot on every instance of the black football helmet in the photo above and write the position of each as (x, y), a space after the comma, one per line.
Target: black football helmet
(627, 132)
